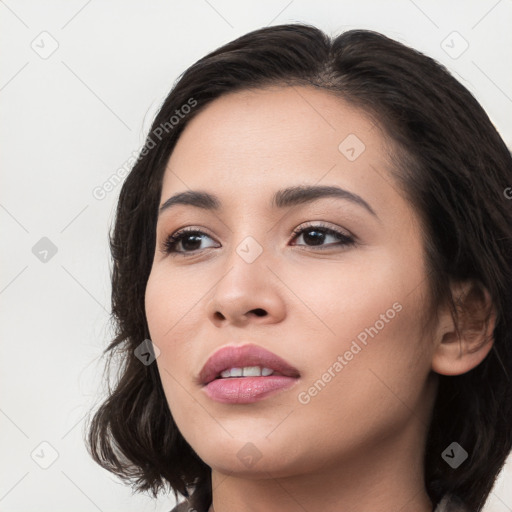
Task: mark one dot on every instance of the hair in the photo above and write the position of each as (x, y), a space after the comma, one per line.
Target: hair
(452, 166)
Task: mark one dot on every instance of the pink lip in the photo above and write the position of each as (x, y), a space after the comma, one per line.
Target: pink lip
(245, 389)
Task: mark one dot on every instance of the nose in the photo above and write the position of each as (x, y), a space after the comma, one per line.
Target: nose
(247, 292)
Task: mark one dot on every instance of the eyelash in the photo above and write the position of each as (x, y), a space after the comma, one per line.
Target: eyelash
(169, 244)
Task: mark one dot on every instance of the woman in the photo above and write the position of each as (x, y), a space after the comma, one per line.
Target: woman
(312, 285)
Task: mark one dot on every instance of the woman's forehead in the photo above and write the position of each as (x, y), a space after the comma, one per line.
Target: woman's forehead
(288, 111)
(247, 145)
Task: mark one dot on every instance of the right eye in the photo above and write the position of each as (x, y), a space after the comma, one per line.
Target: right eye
(188, 239)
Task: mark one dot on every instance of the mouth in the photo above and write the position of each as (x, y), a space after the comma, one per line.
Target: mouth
(243, 362)
(245, 374)
(247, 371)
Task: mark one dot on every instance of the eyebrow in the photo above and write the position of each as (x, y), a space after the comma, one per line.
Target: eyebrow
(284, 198)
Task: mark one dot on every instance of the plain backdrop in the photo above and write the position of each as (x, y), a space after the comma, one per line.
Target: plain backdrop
(80, 82)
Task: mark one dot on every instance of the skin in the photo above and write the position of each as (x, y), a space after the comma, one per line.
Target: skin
(357, 445)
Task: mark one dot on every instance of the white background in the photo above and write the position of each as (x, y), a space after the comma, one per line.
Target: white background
(71, 120)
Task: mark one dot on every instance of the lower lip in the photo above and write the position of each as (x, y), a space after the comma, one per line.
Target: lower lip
(246, 390)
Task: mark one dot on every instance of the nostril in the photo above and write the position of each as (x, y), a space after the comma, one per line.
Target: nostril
(259, 312)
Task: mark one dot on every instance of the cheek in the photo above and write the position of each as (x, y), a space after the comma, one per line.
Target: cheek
(159, 303)
(366, 290)
(166, 313)
(172, 303)
(174, 315)
(366, 339)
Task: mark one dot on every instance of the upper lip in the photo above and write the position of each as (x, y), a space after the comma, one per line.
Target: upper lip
(246, 355)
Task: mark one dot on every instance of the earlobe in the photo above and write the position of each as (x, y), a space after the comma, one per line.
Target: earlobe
(462, 343)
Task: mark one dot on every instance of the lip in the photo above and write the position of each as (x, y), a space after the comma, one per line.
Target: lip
(240, 356)
(245, 389)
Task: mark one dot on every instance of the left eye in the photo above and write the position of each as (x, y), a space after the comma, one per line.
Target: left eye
(189, 239)
(317, 235)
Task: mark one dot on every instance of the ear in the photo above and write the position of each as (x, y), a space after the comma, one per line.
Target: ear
(462, 343)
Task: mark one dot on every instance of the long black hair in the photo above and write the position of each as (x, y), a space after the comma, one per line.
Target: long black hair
(454, 169)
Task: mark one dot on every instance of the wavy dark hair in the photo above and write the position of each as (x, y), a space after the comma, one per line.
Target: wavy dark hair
(452, 166)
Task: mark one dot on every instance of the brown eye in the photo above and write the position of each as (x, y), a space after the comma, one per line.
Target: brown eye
(184, 241)
(315, 235)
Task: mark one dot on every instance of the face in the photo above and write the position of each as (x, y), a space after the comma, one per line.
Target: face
(334, 284)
